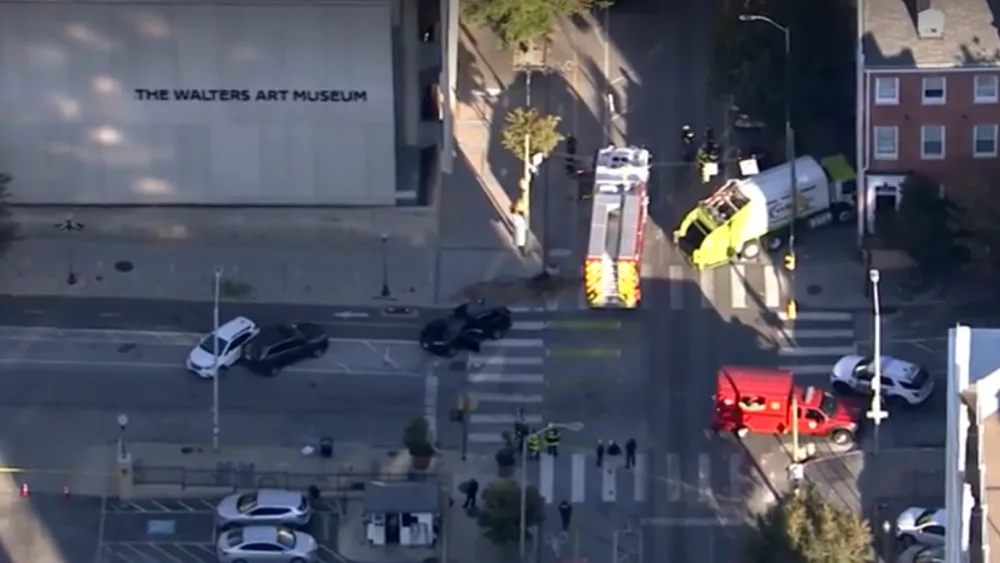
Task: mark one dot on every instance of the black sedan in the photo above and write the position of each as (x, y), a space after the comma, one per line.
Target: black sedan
(279, 346)
(465, 328)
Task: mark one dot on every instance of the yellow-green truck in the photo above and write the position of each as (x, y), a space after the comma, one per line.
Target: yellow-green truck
(744, 215)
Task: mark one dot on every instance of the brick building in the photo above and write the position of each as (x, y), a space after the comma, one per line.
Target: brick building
(931, 79)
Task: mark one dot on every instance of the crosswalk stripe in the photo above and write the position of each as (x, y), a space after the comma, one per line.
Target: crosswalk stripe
(675, 277)
(738, 289)
(815, 350)
(485, 438)
(546, 477)
(514, 343)
(501, 377)
(478, 361)
(500, 418)
(817, 316)
(815, 369)
(704, 476)
(797, 333)
(640, 471)
(578, 483)
(772, 287)
(673, 478)
(529, 325)
(706, 281)
(483, 397)
(609, 483)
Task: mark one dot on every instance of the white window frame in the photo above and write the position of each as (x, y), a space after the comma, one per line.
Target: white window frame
(876, 130)
(881, 81)
(991, 79)
(975, 137)
(924, 155)
(932, 101)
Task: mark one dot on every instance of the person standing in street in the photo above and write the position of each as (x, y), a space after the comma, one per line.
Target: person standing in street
(630, 453)
(552, 441)
(614, 450)
(534, 446)
(600, 453)
(565, 514)
(471, 491)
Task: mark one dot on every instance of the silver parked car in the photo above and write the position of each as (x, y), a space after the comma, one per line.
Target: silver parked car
(266, 506)
(924, 526)
(266, 544)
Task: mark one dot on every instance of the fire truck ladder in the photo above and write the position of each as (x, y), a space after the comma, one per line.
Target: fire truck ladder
(606, 243)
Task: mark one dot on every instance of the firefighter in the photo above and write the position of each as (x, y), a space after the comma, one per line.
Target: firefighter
(571, 167)
(520, 434)
(552, 441)
(687, 135)
(534, 445)
(565, 515)
(687, 143)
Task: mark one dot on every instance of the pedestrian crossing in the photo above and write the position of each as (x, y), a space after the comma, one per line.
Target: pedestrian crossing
(811, 344)
(505, 377)
(733, 286)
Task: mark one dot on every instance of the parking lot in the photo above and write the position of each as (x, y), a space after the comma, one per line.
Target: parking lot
(183, 531)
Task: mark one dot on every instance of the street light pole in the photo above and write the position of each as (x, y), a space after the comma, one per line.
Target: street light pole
(215, 359)
(122, 424)
(876, 413)
(523, 524)
(385, 293)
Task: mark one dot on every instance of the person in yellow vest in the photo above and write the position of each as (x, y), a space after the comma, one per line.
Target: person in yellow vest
(552, 441)
(534, 445)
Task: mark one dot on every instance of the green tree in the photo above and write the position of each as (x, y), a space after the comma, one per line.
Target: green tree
(518, 22)
(8, 228)
(500, 512)
(417, 440)
(923, 227)
(542, 132)
(977, 222)
(806, 528)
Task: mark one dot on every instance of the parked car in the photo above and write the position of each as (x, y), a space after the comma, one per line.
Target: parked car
(279, 346)
(924, 526)
(922, 554)
(465, 328)
(902, 382)
(228, 342)
(266, 544)
(265, 506)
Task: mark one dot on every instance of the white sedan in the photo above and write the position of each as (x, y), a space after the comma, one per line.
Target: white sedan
(222, 348)
(902, 381)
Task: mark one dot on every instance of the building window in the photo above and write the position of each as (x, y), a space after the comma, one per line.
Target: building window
(886, 90)
(886, 143)
(984, 141)
(932, 142)
(985, 90)
(934, 91)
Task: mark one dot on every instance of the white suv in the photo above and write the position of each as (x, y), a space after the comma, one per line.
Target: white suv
(902, 381)
(231, 338)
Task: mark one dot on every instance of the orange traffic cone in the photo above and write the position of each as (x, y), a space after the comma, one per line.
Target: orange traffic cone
(25, 492)
(65, 491)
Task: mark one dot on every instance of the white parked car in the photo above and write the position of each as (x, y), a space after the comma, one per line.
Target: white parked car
(922, 554)
(924, 526)
(231, 337)
(902, 381)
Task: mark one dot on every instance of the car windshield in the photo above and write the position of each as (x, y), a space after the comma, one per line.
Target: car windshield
(234, 538)
(926, 517)
(206, 344)
(246, 502)
(453, 327)
(286, 538)
(919, 379)
(828, 404)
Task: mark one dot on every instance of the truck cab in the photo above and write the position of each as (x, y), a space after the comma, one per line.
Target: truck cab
(767, 401)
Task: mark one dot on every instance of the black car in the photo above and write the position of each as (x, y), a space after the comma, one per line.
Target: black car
(465, 328)
(279, 346)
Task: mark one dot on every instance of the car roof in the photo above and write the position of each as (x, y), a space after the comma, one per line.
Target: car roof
(278, 497)
(931, 516)
(235, 327)
(253, 534)
(272, 334)
(482, 307)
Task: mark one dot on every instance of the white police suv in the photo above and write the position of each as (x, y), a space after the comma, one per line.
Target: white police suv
(902, 382)
(228, 341)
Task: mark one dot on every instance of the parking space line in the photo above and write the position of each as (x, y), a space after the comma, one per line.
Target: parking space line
(166, 554)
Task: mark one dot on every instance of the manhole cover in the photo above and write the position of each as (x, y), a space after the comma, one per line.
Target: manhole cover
(814, 289)
(124, 266)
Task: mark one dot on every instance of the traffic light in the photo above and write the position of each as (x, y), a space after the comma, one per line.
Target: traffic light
(791, 310)
(790, 262)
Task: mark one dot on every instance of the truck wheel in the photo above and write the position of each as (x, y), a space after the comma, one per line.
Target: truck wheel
(843, 213)
(841, 437)
(750, 250)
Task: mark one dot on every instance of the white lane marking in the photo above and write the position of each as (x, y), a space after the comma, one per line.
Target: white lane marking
(673, 478)
(795, 333)
(431, 402)
(818, 316)
(529, 325)
(738, 288)
(639, 477)
(812, 369)
(518, 378)
(478, 361)
(668, 522)
(704, 476)
(815, 350)
(505, 398)
(578, 479)
(546, 474)
(675, 277)
(772, 287)
(706, 281)
(97, 336)
(180, 367)
(525, 309)
(609, 481)
(485, 438)
(514, 343)
(504, 419)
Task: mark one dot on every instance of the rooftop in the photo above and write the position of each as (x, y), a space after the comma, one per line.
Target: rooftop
(410, 496)
(968, 34)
